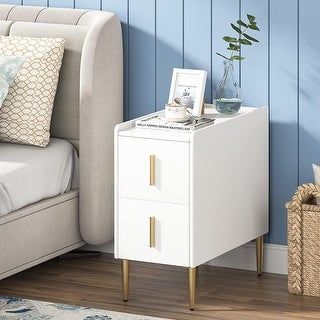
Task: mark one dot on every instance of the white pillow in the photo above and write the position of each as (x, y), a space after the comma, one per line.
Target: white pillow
(9, 66)
(316, 171)
(25, 115)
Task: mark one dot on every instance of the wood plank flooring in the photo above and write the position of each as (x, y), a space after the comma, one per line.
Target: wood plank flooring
(162, 291)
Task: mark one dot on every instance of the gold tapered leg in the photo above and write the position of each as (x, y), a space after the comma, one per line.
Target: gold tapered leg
(125, 264)
(192, 287)
(259, 255)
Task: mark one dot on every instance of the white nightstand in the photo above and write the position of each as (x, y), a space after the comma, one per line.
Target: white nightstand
(185, 198)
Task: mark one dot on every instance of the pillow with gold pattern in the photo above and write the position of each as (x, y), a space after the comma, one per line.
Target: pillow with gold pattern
(25, 115)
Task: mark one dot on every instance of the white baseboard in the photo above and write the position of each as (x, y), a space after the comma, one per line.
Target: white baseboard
(275, 257)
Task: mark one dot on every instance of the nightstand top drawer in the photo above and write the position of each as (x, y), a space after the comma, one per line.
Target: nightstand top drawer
(154, 170)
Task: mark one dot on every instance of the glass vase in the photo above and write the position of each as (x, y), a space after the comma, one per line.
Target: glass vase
(228, 98)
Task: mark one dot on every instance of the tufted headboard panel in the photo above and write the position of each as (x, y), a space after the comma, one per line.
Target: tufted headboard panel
(88, 103)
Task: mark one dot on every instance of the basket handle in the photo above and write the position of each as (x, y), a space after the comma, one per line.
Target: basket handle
(304, 193)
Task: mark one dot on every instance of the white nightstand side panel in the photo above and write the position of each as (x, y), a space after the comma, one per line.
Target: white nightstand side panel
(171, 232)
(171, 170)
(229, 185)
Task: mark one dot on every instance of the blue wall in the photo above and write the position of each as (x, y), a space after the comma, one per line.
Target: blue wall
(283, 71)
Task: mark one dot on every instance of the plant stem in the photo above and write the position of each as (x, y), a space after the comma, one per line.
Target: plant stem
(225, 77)
(232, 53)
(221, 55)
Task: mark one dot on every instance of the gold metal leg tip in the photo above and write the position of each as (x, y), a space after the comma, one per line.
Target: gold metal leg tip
(125, 279)
(192, 288)
(259, 255)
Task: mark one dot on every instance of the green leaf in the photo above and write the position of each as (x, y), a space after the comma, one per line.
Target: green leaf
(241, 23)
(230, 39)
(245, 42)
(251, 17)
(233, 47)
(234, 27)
(239, 58)
(250, 38)
(254, 27)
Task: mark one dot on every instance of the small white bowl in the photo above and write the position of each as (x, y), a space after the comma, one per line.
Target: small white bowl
(175, 112)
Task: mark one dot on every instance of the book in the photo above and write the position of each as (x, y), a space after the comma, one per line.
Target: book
(159, 123)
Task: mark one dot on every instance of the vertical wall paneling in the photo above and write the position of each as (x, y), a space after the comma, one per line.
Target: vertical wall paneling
(198, 38)
(283, 70)
(62, 3)
(141, 57)
(11, 1)
(309, 103)
(85, 4)
(41, 3)
(120, 8)
(255, 68)
(169, 46)
(283, 112)
(223, 13)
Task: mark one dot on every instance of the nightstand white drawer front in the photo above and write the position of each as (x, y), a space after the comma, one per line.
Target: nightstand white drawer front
(154, 232)
(156, 170)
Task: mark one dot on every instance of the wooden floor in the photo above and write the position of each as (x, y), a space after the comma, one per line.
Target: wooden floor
(162, 291)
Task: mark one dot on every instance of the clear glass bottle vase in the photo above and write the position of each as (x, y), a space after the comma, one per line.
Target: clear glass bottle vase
(228, 97)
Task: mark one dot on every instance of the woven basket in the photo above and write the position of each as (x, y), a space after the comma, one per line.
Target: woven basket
(304, 242)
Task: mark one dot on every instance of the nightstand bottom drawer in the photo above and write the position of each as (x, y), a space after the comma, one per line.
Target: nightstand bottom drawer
(154, 232)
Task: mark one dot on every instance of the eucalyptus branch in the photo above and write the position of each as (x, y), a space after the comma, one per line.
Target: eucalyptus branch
(235, 43)
(221, 55)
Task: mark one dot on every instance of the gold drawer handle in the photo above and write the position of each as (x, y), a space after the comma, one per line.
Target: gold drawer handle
(152, 232)
(152, 170)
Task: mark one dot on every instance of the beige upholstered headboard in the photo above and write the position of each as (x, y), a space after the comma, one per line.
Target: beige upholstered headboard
(89, 98)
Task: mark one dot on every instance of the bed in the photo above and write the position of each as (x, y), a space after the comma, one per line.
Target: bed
(88, 104)
(29, 174)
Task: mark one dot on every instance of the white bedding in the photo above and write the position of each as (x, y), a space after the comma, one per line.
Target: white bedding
(29, 174)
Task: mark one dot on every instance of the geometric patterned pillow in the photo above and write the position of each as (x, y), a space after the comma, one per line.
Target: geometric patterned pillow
(25, 115)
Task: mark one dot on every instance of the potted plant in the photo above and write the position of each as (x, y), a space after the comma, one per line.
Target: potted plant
(228, 97)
